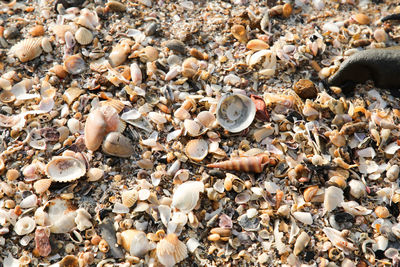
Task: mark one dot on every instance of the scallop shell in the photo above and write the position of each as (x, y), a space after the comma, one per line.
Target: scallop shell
(24, 226)
(235, 112)
(27, 49)
(187, 195)
(197, 149)
(65, 169)
(74, 64)
(129, 197)
(83, 36)
(171, 250)
(42, 185)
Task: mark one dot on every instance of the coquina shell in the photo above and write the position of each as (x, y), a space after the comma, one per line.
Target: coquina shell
(187, 195)
(42, 185)
(235, 112)
(27, 49)
(171, 250)
(65, 169)
(24, 226)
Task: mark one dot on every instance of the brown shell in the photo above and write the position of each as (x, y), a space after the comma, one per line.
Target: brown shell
(37, 30)
(246, 164)
(95, 129)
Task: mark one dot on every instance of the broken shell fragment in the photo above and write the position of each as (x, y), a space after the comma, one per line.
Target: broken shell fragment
(61, 216)
(120, 53)
(197, 149)
(42, 242)
(235, 112)
(115, 144)
(27, 49)
(333, 197)
(65, 169)
(186, 196)
(301, 243)
(171, 250)
(239, 32)
(24, 226)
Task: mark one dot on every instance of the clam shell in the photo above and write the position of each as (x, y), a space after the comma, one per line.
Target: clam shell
(27, 49)
(83, 36)
(46, 45)
(129, 197)
(115, 144)
(95, 129)
(135, 242)
(42, 185)
(65, 169)
(235, 112)
(301, 243)
(171, 250)
(206, 118)
(74, 64)
(24, 226)
(186, 196)
(197, 149)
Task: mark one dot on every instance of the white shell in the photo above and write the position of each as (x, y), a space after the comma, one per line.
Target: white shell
(304, 217)
(171, 250)
(355, 209)
(186, 195)
(301, 243)
(140, 245)
(82, 219)
(83, 36)
(29, 202)
(27, 49)
(235, 112)
(196, 149)
(357, 189)
(333, 197)
(65, 169)
(61, 216)
(24, 226)
(337, 239)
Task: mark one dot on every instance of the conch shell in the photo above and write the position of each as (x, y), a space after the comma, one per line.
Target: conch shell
(246, 164)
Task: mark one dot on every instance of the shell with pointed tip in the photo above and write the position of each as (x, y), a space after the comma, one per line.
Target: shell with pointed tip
(83, 36)
(42, 185)
(65, 169)
(187, 195)
(171, 250)
(27, 49)
(129, 197)
(197, 149)
(235, 112)
(95, 129)
(24, 226)
(245, 164)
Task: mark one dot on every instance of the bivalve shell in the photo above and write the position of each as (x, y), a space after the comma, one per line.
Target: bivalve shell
(129, 197)
(171, 250)
(24, 226)
(83, 36)
(65, 169)
(187, 195)
(301, 243)
(95, 129)
(27, 49)
(235, 112)
(115, 144)
(197, 149)
(42, 185)
(74, 64)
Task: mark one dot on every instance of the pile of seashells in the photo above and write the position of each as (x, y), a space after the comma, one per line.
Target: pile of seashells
(194, 133)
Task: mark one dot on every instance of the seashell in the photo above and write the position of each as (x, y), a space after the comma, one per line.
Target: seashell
(135, 242)
(175, 45)
(157, 118)
(69, 261)
(149, 54)
(257, 45)
(186, 196)
(74, 64)
(301, 243)
(82, 219)
(88, 19)
(115, 144)
(357, 189)
(192, 127)
(94, 174)
(129, 197)
(235, 112)
(65, 169)
(42, 242)
(27, 49)
(332, 199)
(59, 71)
(245, 164)
(382, 212)
(61, 216)
(115, 6)
(29, 202)
(136, 74)
(355, 209)
(42, 185)
(337, 239)
(380, 35)
(393, 173)
(304, 217)
(310, 192)
(7, 97)
(36, 31)
(206, 118)
(41, 217)
(46, 45)
(361, 19)
(170, 250)
(24, 226)
(83, 36)
(71, 94)
(239, 32)
(95, 129)
(119, 53)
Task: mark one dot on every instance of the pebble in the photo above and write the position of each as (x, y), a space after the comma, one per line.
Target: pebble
(11, 32)
(305, 89)
(176, 45)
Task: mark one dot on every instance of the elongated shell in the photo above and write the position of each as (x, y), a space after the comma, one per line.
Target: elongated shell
(95, 130)
(27, 49)
(115, 144)
(24, 226)
(235, 112)
(186, 196)
(65, 169)
(246, 164)
(171, 250)
(301, 243)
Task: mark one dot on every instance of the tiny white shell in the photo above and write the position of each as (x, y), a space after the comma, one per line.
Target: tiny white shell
(186, 195)
(304, 217)
(333, 197)
(65, 169)
(24, 226)
(357, 189)
(83, 36)
(29, 202)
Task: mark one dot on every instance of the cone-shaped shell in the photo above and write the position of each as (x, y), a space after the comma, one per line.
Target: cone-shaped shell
(235, 112)
(42, 185)
(246, 164)
(65, 169)
(171, 250)
(27, 49)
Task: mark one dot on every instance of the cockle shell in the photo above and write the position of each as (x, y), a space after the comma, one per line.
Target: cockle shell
(27, 49)
(65, 169)
(187, 195)
(246, 164)
(42, 185)
(83, 36)
(171, 250)
(197, 149)
(24, 226)
(235, 112)
(129, 197)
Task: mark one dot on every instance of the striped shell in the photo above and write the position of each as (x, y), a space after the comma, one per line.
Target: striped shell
(129, 197)
(27, 49)
(83, 36)
(65, 169)
(246, 164)
(42, 185)
(171, 250)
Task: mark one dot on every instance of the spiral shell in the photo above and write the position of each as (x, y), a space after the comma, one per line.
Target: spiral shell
(27, 49)
(24, 226)
(171, 250)
(129, 197)
(246, 164)
(42, 185)
(65, 169)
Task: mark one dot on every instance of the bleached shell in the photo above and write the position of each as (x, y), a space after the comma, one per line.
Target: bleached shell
(304, 217)
(41, 217)
(157, 118)
(29, 202)
(206, 118)
(355, 209)
(301, 243)
(27, 49)
(192, 127)
(139, 245)
(61, 216)
(337, 239)
(82, 219)
(119, 53)
(129, 197)
(65, 169)
(186, 195)
(235, 112)
(42, 185)
(83, 36)
(171, 250)
(136, 74)
(24, 226)
(333, 197)
(197, 149)
(46, 45)
(357, 189)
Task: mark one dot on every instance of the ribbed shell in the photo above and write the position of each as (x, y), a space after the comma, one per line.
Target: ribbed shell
(171, 250)
(42, 185)
(246, 164)
(83, 36)
(27, 49)
(129, 197)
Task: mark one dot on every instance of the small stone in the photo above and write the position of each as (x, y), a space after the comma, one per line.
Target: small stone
(287, 10)
(305, 89)
(176, 45)
(151, 29)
